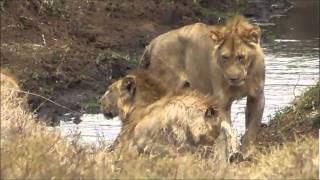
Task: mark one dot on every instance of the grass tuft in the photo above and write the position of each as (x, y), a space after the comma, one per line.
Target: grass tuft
(303, 110)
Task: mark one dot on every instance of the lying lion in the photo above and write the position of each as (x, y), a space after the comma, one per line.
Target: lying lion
(153, 116)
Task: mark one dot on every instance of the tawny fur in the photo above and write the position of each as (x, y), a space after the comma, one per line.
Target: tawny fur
(208, 56)
(178, 118)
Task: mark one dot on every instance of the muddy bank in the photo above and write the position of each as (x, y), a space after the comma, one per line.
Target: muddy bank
(69, 52)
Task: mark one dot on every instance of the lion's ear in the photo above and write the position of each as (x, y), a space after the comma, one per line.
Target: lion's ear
(254, 35)
(217, 36)
(129, 84)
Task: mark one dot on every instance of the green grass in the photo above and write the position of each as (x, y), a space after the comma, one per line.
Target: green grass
(310, 99)
(235, 7)
(302, 110)
(316, 121)
(54, 8)
(91, 106)
(109, 55)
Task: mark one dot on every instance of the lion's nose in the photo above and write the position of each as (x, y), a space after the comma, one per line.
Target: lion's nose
(235, 79)
(101, 99)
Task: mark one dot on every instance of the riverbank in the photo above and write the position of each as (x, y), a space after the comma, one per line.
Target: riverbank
(301, 117)
(70, 51)
(29, 150)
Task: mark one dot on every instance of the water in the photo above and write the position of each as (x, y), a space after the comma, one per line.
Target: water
(93, 128)
(292, 65)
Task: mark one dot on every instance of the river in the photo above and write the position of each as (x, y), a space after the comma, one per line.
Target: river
(292, 65)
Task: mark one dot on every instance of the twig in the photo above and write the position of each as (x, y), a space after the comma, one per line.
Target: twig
(36, 109)
(295, 86)
(44, 40)
(47, 99)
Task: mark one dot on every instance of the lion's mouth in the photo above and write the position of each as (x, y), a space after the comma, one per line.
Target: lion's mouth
(236, 82)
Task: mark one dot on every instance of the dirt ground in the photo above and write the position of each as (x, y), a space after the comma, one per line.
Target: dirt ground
(70, 51)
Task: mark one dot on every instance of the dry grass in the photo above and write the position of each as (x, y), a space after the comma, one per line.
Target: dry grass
(297, 160)
(30, 150)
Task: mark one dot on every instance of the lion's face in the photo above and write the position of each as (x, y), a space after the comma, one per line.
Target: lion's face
(236, 50)
(118, 97)
(234, 58)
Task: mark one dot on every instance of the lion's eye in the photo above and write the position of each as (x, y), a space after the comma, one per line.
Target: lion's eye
(225, 57)
(240, 58)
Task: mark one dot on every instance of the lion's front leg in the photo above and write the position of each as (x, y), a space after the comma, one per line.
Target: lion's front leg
(254, 112)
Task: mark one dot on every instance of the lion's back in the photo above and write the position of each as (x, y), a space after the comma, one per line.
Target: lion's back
(175, 56)
(175, 120)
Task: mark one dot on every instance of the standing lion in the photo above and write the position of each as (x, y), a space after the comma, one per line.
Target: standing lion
(224, 61)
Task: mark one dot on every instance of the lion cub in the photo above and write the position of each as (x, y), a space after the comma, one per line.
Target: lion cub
(153, 116)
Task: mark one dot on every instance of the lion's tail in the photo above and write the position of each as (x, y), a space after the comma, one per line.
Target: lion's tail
(145, 58)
